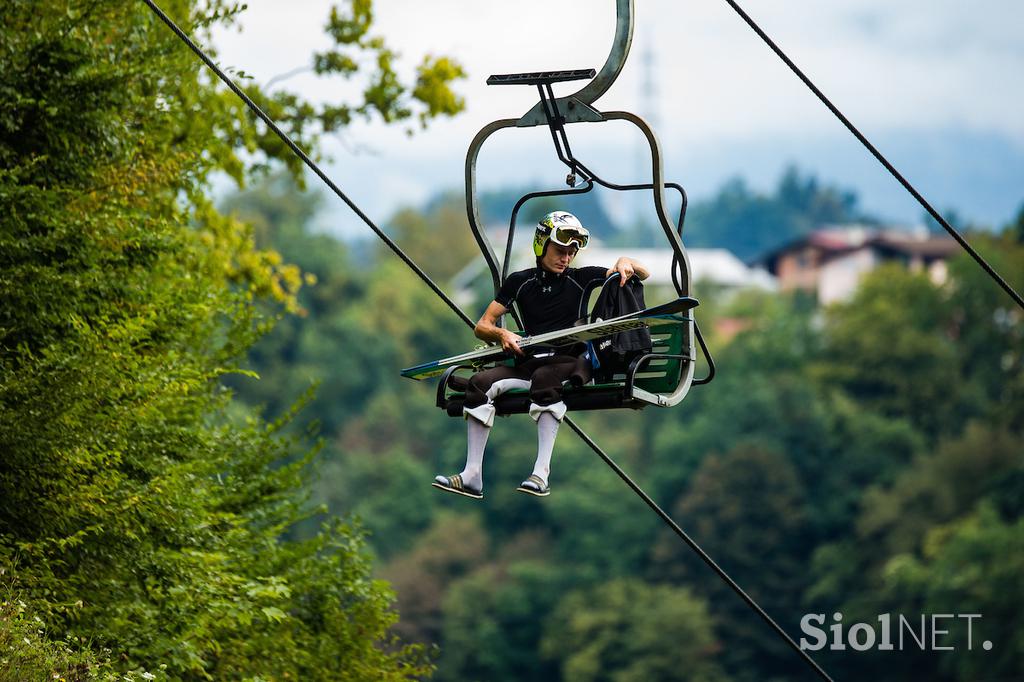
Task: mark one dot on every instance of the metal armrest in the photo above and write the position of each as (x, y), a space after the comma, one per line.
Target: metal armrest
(660, 399)
(442, 385)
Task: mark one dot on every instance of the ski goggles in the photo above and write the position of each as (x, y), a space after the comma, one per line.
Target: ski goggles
(571, 236)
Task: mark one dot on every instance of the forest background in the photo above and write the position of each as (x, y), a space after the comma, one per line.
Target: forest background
(865, 458)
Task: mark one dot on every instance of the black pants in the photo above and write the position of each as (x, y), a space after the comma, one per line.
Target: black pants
(545, 375)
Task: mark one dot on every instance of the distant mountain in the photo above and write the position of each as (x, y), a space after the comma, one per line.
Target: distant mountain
(974, 174)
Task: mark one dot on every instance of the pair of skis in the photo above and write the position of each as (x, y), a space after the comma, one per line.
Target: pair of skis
(666, 313)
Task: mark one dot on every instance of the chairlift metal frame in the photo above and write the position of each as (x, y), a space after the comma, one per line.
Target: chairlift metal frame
(556, 113)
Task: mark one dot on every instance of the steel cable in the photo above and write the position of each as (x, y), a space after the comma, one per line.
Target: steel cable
(305, 159)
(878, 155)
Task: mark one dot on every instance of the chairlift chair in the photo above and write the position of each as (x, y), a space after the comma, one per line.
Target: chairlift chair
(662, 377)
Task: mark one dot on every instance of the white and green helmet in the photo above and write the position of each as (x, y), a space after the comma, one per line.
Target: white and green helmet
(562, 228)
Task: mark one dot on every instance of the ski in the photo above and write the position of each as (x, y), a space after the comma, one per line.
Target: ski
(665, 313)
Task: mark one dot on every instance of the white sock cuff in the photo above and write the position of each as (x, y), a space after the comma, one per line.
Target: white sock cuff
(557, 410)
(482, 413)
(504, 386)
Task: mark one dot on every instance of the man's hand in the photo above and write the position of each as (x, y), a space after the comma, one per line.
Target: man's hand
(510, 342)
(487, 329)
(624, 266)
(627, 267)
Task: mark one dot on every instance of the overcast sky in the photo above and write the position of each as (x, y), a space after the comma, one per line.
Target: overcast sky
(937, 84)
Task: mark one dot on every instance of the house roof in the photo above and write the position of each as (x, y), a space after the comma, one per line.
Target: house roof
(832, 242)
(827, 240)
(929, 247)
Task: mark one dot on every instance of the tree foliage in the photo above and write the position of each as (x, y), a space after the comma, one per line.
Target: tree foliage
(889, 347)
(628, 631)
(383, 94)
(749, 223)
(141, 506)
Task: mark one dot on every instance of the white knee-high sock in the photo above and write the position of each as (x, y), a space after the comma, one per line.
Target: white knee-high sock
(547, 429)
(476, 440)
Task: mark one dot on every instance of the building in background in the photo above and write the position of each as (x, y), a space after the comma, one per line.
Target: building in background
(831, 262)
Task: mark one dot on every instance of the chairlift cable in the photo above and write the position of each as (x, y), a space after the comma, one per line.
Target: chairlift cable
(878, 155)
(308, 161)
(696, 548)
(395, 248)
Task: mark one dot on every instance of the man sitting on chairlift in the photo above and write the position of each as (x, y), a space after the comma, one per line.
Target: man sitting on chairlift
(549, 298)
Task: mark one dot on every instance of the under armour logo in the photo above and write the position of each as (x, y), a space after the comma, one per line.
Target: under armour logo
(545, 290)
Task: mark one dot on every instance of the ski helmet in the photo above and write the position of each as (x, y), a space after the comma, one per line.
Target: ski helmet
(561, 227)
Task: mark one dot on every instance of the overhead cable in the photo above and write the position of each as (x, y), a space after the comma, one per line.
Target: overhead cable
(305, 159)
(878, 155)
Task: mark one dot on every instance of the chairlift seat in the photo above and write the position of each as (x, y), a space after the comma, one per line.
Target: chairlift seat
(657, 373)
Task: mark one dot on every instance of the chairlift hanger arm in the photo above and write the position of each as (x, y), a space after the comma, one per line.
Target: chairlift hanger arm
(473, 206)
(578, 106)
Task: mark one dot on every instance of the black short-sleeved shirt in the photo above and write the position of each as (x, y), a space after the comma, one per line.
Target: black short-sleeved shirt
(547, 300)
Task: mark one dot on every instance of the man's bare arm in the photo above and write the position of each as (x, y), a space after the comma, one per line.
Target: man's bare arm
(487, 329)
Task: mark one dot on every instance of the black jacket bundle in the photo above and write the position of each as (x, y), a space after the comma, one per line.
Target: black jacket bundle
(612, 355)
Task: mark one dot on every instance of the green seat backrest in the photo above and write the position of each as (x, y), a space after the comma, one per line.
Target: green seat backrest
(662, 375)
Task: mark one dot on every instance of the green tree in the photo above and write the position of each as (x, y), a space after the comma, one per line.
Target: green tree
(747, 509)
(938, 488)
(453, 547)
(629, 631)
(1015, 230)
(141, 508)
(494, 621)
(889, 348)
(911, 526)
(303, 349)
(387, 491)
(761, 394)
(437, 237)
(989, 329)
(617, 536)
(749, 224)
(971, 565)
(384, 95)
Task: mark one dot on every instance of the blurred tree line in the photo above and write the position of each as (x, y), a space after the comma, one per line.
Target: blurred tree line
(864, 458)
(142, 507)
(750, 223)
